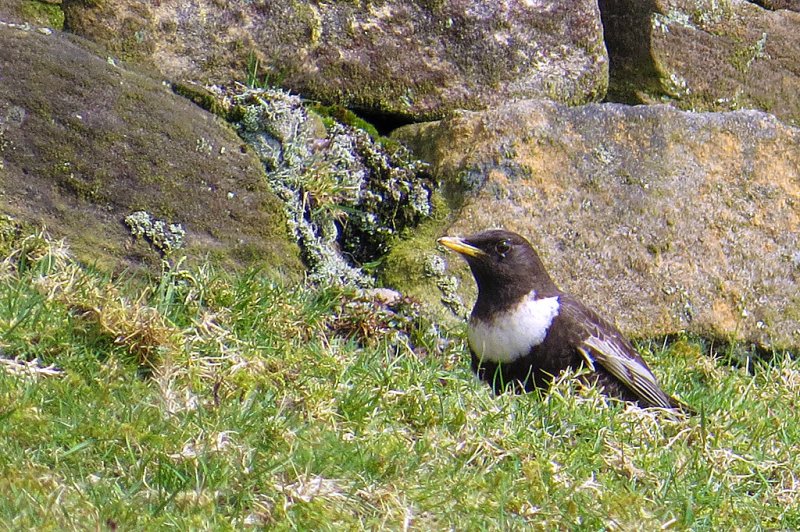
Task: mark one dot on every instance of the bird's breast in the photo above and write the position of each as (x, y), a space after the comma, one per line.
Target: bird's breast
(513, 333)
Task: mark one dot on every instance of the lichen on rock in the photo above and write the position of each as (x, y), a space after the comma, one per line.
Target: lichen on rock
(435, 267)
(346, 194)
(164, 237)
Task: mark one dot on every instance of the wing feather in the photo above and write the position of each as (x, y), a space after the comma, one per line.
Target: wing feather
(602, 344)
(631, 372)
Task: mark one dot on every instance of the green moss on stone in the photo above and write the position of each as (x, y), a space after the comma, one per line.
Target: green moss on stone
(201, 97)
(43, 13)
(344, 115)
(10, 233)
(87, 190)
(91, 3)
(407, 266)
(744, 55)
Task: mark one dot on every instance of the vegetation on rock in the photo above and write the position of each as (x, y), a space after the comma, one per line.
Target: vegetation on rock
(347, 195)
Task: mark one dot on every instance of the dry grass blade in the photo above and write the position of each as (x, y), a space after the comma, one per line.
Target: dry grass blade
(28, 368)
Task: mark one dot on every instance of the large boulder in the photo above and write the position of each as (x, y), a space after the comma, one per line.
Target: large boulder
(665, 220)
(97, 153)
(704, 55)
(414, 58)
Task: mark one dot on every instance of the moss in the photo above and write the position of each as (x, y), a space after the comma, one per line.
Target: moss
(379, 96)
(72, 178)
(137, 41)
(43, 13)
(743, 55)
(412, 264)
(91, 3)
(201, 97)
(11, 231)
(337, 113)
(658, 248)
(248, 253)
(435, 7)
(308, 16)
(87, 190)
(148, 178)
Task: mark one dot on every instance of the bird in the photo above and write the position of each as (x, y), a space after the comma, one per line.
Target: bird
(524, 331)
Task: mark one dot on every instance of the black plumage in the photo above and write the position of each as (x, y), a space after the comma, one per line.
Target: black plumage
(524, 330)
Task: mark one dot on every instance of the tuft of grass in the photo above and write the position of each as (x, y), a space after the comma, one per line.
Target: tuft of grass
(274, 406)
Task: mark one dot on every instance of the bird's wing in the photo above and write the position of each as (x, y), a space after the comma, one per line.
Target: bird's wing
(604, 345)
(630, 371)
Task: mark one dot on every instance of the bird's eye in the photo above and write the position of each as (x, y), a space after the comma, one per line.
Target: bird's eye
(502, 247)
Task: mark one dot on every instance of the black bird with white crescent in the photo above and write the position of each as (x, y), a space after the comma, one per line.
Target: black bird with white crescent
(524, 330)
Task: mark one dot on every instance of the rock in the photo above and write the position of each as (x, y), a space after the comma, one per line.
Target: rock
(416, 59)
(704, 55)
(792, 5)
(666, 220)
(86, 143)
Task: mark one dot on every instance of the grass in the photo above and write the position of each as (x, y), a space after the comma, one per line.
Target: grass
(206, 400)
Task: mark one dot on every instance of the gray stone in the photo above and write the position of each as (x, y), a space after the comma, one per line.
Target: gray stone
(86, 142)
(792, 5)
(704, 55)
(413, 58)
(665, 220)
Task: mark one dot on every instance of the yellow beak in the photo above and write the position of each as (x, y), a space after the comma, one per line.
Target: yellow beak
(459, 246)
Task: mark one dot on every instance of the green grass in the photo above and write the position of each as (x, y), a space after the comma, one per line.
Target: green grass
(206, 400)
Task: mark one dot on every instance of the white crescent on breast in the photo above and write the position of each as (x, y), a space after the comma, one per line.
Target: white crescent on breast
(513, 333)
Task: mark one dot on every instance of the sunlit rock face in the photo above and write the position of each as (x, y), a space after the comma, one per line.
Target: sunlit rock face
(416, 59)
(667, 220)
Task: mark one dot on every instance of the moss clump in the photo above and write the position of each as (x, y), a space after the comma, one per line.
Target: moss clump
(420, 274)
(44, 13)
(201, 97)
(345, 116)
(86, 189)
(10, 231)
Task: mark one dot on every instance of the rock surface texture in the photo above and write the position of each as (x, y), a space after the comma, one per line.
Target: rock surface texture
(793, 5)
(414, 58)
(85, 143)
(705, 55)
(663, 219)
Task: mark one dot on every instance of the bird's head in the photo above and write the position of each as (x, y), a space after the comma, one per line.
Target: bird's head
(503, 263)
